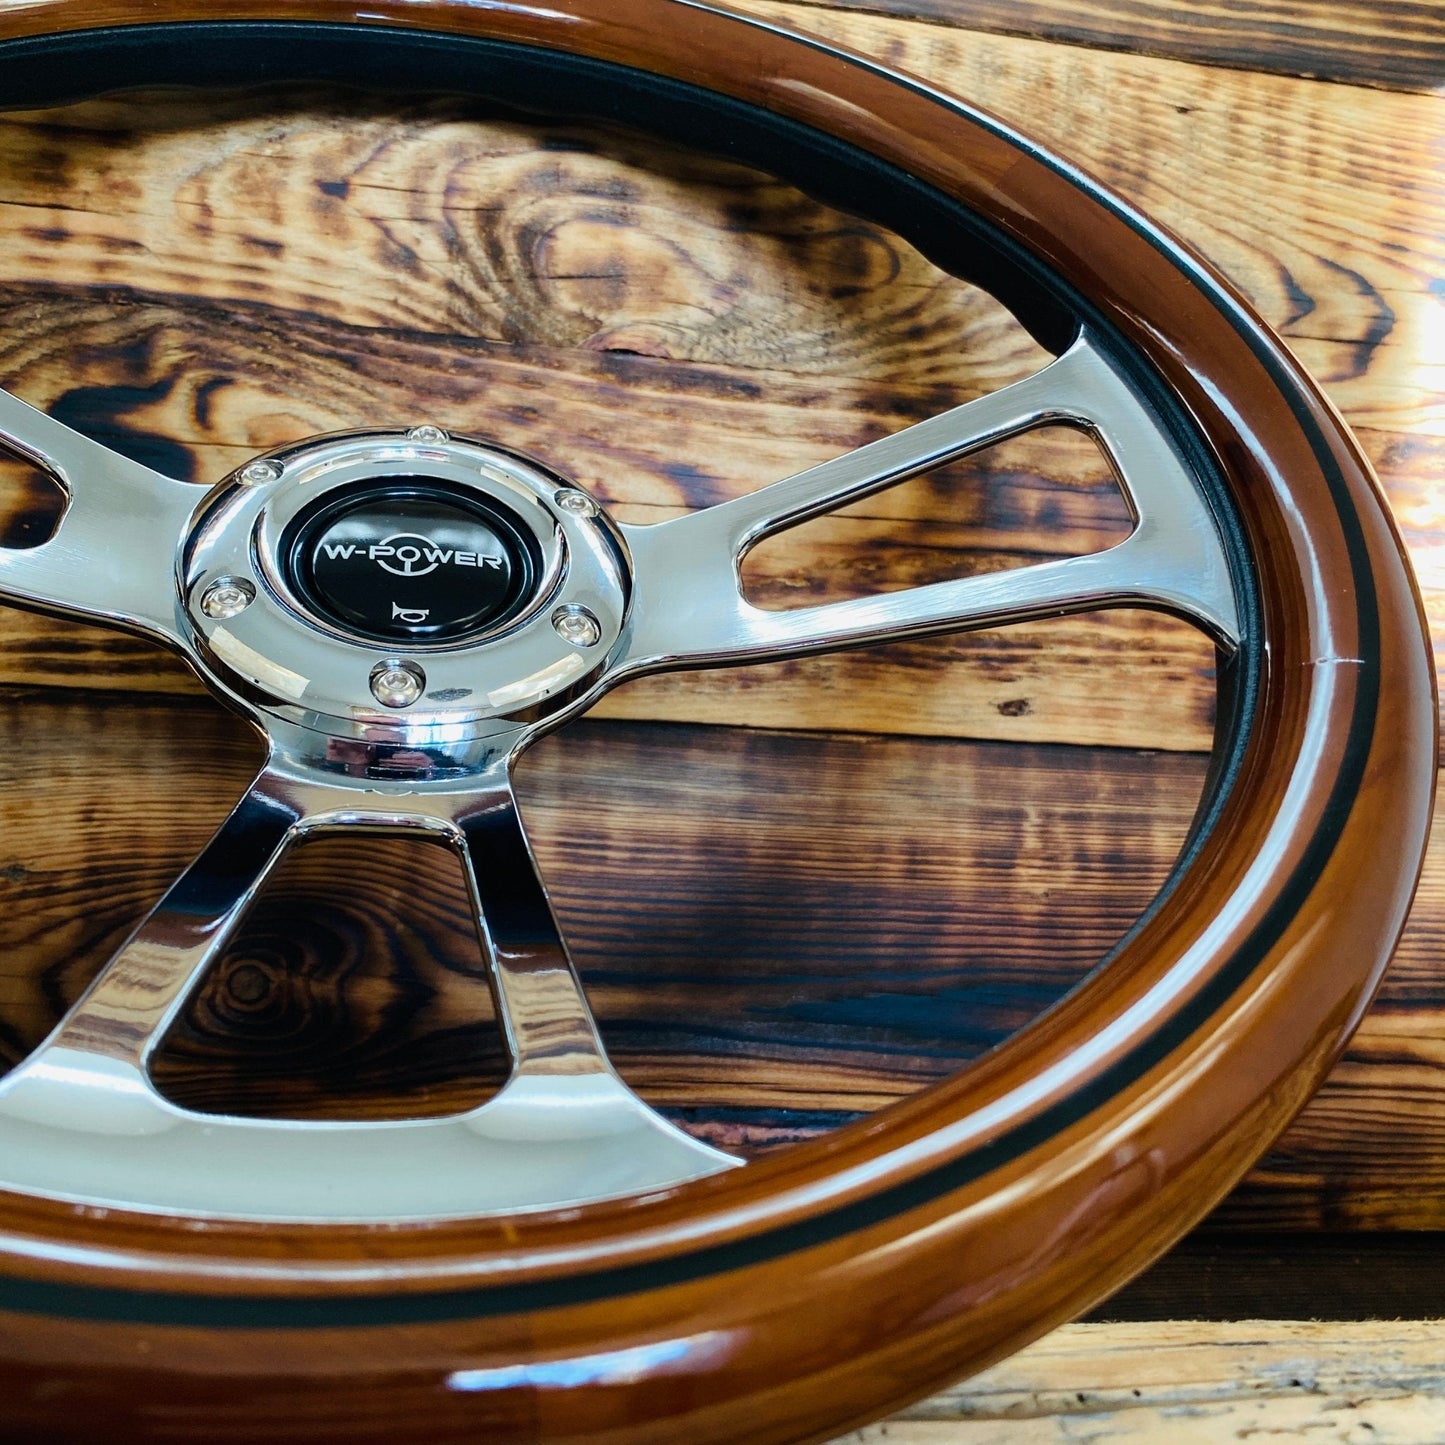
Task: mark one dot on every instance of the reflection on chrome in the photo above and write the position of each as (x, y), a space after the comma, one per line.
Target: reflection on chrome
(80, 1119)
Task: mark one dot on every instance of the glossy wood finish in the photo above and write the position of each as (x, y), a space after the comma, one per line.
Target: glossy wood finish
(743, 1294)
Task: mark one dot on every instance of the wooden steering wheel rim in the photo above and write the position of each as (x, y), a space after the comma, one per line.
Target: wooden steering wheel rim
(835, 1281)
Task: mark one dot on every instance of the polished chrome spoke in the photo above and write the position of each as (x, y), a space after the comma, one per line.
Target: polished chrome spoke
(81, 1119)
(548, 1024)
(121, 1017)
(563, 1092)
(113, 557)
(90, 1074)
(688, 606)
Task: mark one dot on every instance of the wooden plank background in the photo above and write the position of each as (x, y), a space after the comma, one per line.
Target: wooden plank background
(796, 891)
(1397, 46)
(1195, 1384)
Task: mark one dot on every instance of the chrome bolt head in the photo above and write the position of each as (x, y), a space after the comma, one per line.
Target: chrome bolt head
(428, 435)
(578, 503)
(258, 474)
(226, 597)
(396, 683)
(575, 624)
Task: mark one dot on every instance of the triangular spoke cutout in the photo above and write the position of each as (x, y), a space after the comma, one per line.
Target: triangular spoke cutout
(690, 610)
(82, 1118)
(1044, 494)
(354, 989)
(32, 502)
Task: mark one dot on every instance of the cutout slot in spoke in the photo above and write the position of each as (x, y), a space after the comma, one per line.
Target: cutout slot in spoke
(690, 609)
(563, 1130)
(112, 558)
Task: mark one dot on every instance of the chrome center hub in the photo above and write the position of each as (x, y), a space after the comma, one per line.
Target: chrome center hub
(371, 555)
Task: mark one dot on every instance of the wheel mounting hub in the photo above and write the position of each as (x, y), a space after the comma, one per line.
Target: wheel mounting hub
(402, 551)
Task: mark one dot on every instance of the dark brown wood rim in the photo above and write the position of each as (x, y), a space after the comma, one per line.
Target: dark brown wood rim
(850, 1247)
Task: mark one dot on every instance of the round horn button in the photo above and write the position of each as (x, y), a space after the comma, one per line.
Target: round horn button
(411, 560)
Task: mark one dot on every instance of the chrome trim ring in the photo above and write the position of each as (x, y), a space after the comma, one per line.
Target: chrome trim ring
(279, 655)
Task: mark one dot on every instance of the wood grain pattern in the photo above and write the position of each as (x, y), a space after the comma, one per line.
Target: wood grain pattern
(83, 866)
(355, 989)
(1395, 44)
(1324, 205)
(556, 236)
(103, 324)
(1330, 226)
(779, 976)
(189, 345)
(134, 381)
(722, 336)
(778, 932)
(1195, 1384)
(1073, 1179)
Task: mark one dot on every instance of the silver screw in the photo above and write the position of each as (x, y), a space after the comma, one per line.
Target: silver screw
(578, 503)
(577, 625)
(430, 435)
(257, 474)
(397, 684)
(226, 597)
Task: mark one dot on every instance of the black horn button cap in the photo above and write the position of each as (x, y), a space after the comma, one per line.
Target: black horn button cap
(410, 560)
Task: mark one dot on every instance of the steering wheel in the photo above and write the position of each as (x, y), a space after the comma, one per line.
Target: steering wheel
(403, 612)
